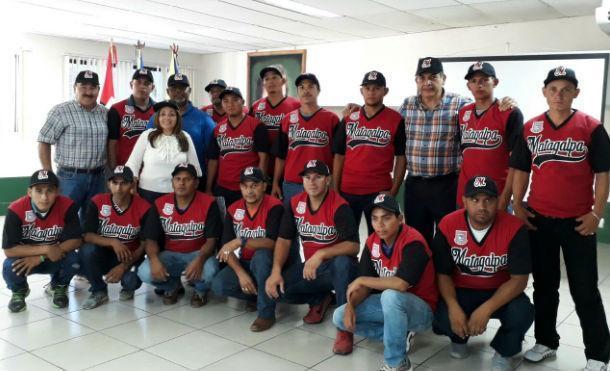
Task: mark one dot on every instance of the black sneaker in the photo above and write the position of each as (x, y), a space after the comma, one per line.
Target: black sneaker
(60, 296)
(159, 292)
(17, 302)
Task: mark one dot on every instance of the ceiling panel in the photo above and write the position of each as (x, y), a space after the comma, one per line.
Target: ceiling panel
(455, 16)
(405, 22)
(348, 7)
(574, 8)
(518, 10)
(417, 4)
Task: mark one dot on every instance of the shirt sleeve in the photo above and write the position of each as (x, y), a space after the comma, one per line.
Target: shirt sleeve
(72, 224)
(11, 235)
(274, 220)
(52, 128)
(114, 124)
(347, 230)
(365, 265)
(339, 139)
(213, 223)
(599, 155)
(413, 264)
(191, 155)
(400, 140)
(288, 229)
(213, 151)
(280, 146)
(521, 157)
(91, 219)
(441, 255)
(519, 256)
(143, 221)
(514, 128)
(228, 232)
(153, 230)
(261, 139)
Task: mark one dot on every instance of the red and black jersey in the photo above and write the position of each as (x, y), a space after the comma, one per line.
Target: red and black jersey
(215, 115)
(105, 219)
(305, 138)
(271, 116)
(369, 145)
(487, 140)
(331, 223)
(263, 224)
(563, 160)
(126, 121)
(236, 148)
(485, 264)
(419, 274)
(24, 226)
(185, 230)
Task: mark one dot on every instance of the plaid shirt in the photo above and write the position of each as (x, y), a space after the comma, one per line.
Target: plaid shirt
(433, 135)
(79, 135)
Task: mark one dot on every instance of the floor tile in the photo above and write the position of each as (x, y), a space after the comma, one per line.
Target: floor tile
(26, 362)
(30, 314)
(42, 333)
(147, 331)
(568, 358)
(139, 361)
(207, 315)
(570, 335)
(8, 350)
(152, 303)
(475, 361)
(238, 329)
(360, 360)
(299, 346)
(76, 300)
(106, 315)
(253, 360)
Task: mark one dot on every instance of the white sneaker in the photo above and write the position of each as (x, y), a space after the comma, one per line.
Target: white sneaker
(593, 365)
(499, 363)
(405, 365)
(410, 338)
(458, 351)
(539, 352)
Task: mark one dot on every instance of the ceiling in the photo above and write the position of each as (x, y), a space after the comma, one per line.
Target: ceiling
(212, 26)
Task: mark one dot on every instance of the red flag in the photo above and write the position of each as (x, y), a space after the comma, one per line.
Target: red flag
(108, 89)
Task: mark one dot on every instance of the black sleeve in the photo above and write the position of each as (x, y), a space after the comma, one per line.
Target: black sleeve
(273, 221)
(280, 146)
(114, 124)
(288, 229)
(153, 230)
(143, 221)
(514, 128)
(91, 219)
(400, 140)
(365, 266)
(251, 111)
(347, 230)
(521, 157)
(339, 139)
(441, 255)
(213, 151)
(11, 235)
(72, 224)
(213, 223)
(413, 263)
(228, 232)
(519, 257)
(261, 139)
(599, 155)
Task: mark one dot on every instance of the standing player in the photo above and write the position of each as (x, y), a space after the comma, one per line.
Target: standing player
(215, 110)
(305, 134)
(368, 146)
(568, 154)
(128, 118)
(488, 135)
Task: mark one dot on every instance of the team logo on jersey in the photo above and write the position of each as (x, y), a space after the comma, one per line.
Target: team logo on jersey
(133, 126)
(272, 122)
(239, 214)
(567, 150)
(301, 207)
(222, 128)
(478, 264)
(168, 209)
(190, 230)
(537, 127)
(485, 138)
(479, 182)
(466, 116)
(245, 232)
(362, 136)
(317, 233)
(105, 210)
(125, 233)
(294, 118)
(298, 137)
(426, 63)
(129, 109)
(30, 216)
(461, 237)
(229, 145)
(354, 115)
(43, 174)
(40, 235)
(261, 105)
(375, 250)
(560, 71)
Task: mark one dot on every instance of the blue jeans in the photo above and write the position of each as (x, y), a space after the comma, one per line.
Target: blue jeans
(388, 317)
(175, 263)
(61, 271)
(97, 261)
(226, 282)
(80, 187)
(333, 274)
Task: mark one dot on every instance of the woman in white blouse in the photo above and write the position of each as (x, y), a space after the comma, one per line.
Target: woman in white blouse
(159, 150)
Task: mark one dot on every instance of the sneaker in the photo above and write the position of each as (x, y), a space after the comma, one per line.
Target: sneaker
(410, 338)
(170, 298)
(125, 295)
(539, 352)
(262, 324)
(17, 302)
(405, 365)
(95, 300)
(593, 365)
(199, 300)
(48, 289)
(316, 312)
(499, 363)
(344, 343)
(60, 296)
(159, 292)
(251, 306)
(458, 351)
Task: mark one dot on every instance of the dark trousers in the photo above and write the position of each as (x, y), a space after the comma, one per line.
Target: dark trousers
(580, 257)
(358, 203)
(516, 318)
(228, 195)
(149, 196)
(428, 200)
(61, 271)
(96, 261)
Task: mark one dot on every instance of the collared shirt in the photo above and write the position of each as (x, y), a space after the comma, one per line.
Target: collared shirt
(79, 135)
(433, 135)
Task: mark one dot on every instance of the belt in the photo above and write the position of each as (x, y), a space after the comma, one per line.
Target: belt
(95, 170)
(432, 178)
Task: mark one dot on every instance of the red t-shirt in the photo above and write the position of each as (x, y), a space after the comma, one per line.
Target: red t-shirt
(132, 121)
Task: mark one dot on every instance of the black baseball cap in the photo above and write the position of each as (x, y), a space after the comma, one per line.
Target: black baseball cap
(185, 167)
(44, 177)
(481, 184)
(178, 79)
(121, 172)
(482, 67)
(384, 201)
(253, 174)
(165, 103)
(561, 73)
(315, 166)
(277, 68)
(215, 82)
(87, 77)
(429, 65)
(373, 77)
(309, 77)
(231, 90)
(143, 73)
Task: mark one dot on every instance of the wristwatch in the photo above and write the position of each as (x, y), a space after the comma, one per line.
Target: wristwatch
(244, 240)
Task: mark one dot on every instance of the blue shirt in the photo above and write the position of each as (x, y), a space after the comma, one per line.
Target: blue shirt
(200, 127)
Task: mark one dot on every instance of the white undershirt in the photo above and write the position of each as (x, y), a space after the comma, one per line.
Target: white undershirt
(478, 234)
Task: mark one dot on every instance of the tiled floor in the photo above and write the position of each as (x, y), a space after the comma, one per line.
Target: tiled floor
(143, 334)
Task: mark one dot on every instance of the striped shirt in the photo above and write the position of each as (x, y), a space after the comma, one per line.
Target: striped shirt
(79, 135)
(433, 135)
